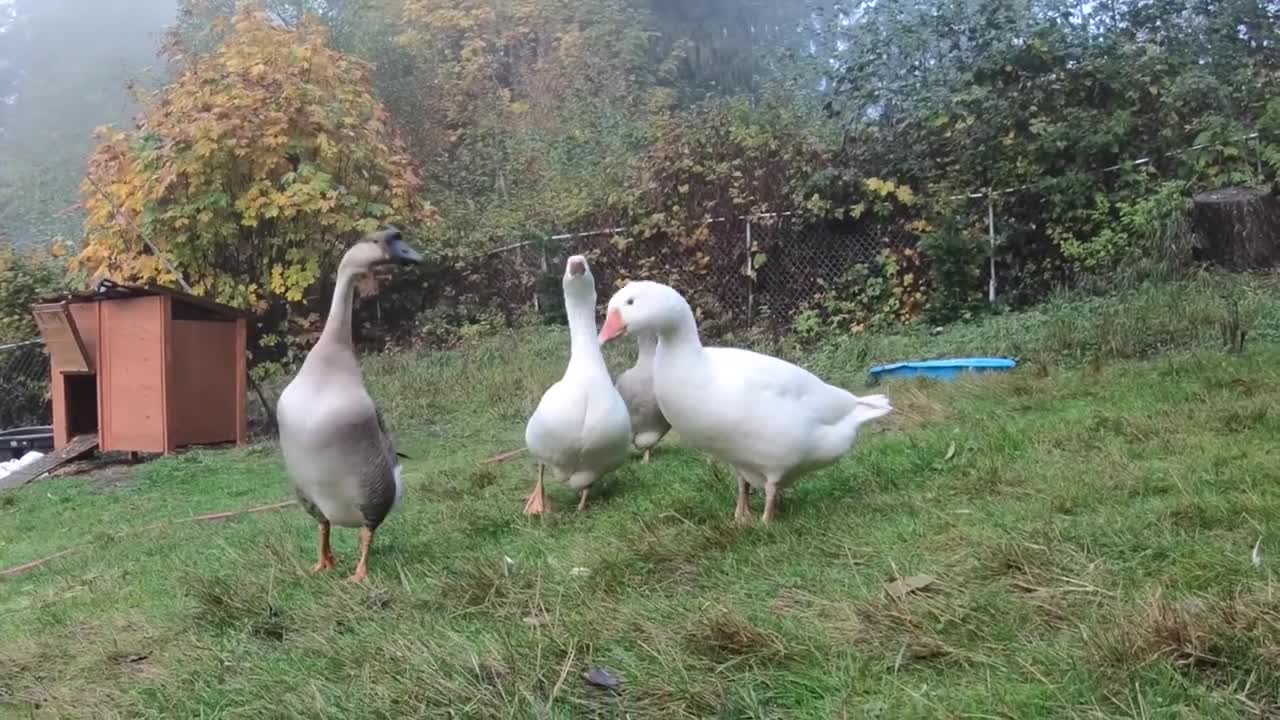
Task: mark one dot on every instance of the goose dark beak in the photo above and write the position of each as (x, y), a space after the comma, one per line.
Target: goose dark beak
(401, 253)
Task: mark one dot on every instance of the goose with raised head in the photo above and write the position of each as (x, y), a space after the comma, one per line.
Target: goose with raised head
(648, 424)
(580, 429)
(340, 458)
(772, 421)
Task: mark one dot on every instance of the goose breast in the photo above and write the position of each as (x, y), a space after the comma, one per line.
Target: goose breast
(578, 429)
(337, 453)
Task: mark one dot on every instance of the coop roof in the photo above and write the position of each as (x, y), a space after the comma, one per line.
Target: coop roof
(111, 290)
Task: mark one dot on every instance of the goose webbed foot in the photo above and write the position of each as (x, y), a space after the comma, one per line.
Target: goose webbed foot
(362, 567)
(537, 503)
(742, 513)
(770, 501)
(326, 561)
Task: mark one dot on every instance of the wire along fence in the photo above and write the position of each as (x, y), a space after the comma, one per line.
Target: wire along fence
(24, 385)
(737, 274)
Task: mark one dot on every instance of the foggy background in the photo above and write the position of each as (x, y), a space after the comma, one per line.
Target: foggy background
(64, 68)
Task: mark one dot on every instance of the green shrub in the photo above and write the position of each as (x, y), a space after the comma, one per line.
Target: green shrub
(957, 259)
(879, 294)
(1147, 239)
(25, 277)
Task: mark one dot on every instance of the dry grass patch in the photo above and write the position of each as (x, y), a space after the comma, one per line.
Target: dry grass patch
(1231, 645)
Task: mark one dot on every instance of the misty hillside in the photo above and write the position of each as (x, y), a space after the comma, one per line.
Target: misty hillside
(64, 67)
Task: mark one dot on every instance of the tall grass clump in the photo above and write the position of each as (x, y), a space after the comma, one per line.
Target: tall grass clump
(1206, 312)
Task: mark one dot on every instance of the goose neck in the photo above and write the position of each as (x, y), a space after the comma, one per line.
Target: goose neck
(648, 345)
(584, 347)
(337, 327)
(682, 334)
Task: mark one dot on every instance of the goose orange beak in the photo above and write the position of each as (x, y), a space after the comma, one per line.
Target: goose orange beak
(614, 326)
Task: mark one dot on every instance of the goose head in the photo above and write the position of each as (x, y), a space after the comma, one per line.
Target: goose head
(377, 249)
(644, 307)
(579, 285)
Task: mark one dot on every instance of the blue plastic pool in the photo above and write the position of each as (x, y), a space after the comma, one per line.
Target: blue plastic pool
(948, 369)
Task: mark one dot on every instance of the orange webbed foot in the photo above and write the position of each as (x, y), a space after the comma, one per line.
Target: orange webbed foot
(537, 503)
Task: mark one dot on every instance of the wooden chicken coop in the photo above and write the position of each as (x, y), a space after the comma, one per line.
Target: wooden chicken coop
(145, 369)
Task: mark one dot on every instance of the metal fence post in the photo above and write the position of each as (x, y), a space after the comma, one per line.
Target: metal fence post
(751, 280)
(991, 227)
(542, 266)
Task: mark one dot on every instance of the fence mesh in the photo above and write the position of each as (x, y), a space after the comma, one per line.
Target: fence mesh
(735, 273)
(798, 261)
(24, 385)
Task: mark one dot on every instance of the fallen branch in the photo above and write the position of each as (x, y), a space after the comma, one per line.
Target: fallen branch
(503, 457)
(19, 569)
(251, 511)
(209, 517)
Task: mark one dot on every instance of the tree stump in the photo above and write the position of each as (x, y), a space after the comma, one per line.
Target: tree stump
(1239, 228)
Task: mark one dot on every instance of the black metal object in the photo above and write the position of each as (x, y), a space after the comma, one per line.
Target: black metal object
(81, 446)
(19, 441)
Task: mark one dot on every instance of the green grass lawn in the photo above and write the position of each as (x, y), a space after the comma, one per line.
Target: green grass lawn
(1089, 534)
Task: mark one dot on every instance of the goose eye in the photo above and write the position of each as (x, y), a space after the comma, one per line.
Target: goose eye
(631, 301)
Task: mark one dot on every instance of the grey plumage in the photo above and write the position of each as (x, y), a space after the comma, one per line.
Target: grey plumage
(648, 424)
(312, 509)
(340, 454)
(382, 465)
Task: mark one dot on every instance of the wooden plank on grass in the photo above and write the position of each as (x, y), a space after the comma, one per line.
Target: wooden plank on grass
(81, 446)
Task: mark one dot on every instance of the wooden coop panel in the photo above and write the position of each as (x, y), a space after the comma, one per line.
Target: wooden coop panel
(85, 317)
(131, 383)
(66, 349)
(203, 402)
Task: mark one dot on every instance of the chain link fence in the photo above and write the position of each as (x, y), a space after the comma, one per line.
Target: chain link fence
(800, 261)
(24, 385)
(737, 274)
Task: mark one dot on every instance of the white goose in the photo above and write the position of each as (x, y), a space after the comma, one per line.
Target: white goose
(771, 420)
(581, 428)
(648, 425)
(339, 456)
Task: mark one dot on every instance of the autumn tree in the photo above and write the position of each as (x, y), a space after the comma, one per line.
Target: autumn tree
(531, 109)
(251, 172)
(714, 48)
(531, 113)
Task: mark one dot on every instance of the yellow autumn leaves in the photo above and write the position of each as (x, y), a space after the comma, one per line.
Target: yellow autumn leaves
(251, 171)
